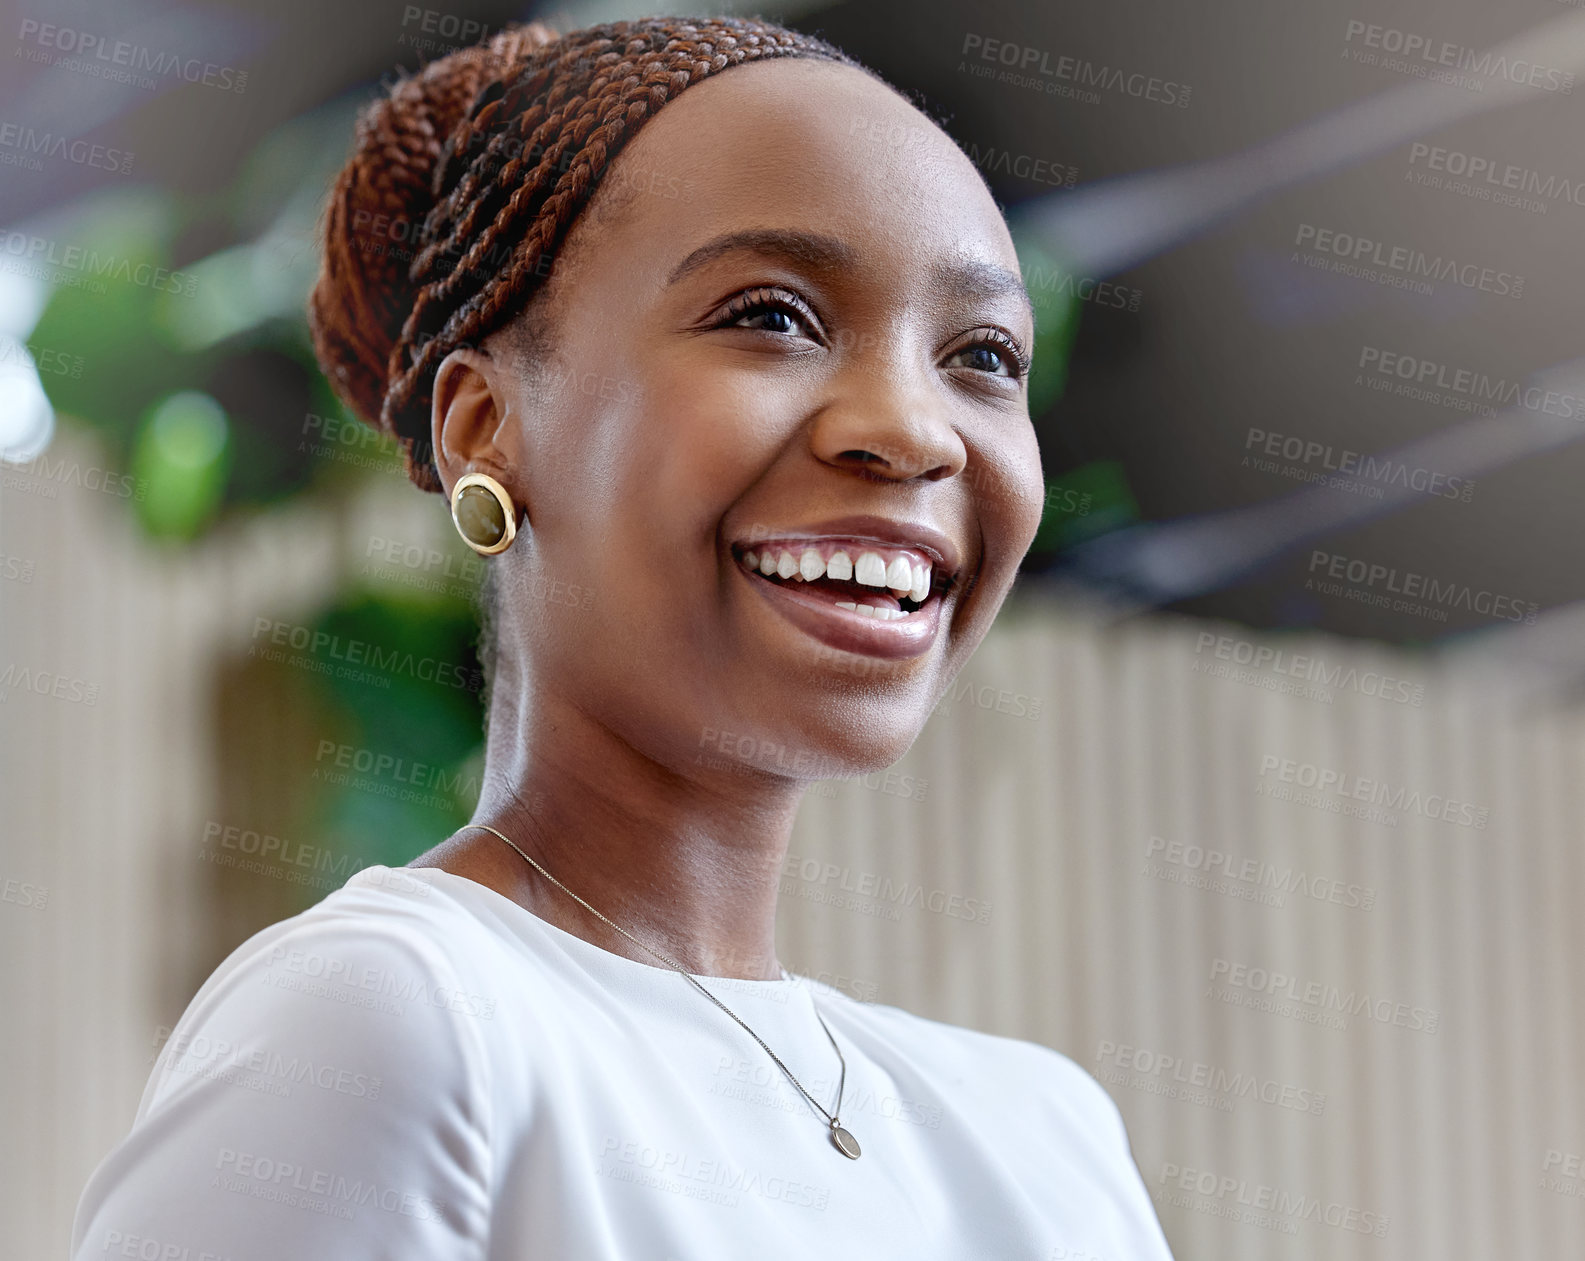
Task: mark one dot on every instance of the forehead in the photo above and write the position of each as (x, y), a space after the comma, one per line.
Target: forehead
(797, 144)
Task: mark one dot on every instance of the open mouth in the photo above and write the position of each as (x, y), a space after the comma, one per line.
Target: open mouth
(883, 582)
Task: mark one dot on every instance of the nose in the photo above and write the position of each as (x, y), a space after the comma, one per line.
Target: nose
(888, 424)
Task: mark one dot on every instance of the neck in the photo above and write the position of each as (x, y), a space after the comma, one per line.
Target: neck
(685, 858)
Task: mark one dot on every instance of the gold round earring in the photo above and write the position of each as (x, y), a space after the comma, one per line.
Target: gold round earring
(483, 513)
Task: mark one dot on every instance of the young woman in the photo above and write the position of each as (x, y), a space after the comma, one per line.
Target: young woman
(717, 346)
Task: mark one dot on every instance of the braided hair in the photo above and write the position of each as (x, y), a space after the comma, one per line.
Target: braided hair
(466, 178)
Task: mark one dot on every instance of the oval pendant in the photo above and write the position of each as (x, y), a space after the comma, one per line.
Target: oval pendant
(844, 1142)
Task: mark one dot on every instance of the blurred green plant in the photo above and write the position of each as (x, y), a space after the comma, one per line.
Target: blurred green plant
(1087, 501)
(1093, 498)
(1057, 312)
(402, 674)
(181, 456)
(204, 386)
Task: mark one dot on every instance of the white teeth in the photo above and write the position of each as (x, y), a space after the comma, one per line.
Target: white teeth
(869, 610)
(899, 576)
(902, 576)
(870, 571)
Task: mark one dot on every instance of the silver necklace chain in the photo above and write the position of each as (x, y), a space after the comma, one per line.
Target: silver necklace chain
(841, 1139)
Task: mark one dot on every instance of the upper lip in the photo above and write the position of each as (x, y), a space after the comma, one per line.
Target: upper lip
(943, 551)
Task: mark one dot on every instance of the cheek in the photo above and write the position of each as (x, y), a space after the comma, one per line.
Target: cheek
(708, 437)
(634, 485)
(1012, 491)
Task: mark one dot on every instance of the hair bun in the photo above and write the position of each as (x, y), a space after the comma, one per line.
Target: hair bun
(376, 210)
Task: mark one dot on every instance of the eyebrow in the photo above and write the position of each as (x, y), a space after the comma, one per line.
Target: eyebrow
(824, 253)
(974, 280)
(983, 281)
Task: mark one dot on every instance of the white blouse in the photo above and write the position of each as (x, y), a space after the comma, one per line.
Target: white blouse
(417, 1067)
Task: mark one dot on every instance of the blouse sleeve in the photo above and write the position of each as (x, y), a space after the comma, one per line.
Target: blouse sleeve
(323, 1096)
(1147, 1238)
(1118, 1202)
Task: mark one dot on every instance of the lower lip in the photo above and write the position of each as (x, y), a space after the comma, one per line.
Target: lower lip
(849, 631)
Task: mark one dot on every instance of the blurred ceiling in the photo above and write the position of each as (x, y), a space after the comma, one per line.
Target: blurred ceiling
(1240, 334)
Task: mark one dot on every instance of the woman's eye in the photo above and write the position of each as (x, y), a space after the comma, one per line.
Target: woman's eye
(993, 357)
(769, 311)
(771, 319)
(986, 359)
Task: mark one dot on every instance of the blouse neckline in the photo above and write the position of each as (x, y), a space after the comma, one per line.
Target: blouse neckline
(599, 956)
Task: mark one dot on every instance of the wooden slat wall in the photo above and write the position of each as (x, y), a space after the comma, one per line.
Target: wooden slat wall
(1445, 1134)
(1046, 820)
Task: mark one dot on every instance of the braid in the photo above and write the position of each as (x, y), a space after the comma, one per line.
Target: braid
(487, 157)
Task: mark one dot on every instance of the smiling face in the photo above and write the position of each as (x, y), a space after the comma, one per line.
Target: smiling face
(788, 329)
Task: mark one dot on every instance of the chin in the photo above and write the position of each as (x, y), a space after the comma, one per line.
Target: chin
(845, 737)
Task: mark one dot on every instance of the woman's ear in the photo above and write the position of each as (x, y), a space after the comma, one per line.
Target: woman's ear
(469, 421)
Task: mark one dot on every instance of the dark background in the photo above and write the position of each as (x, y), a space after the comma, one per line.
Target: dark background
(1229, 333)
